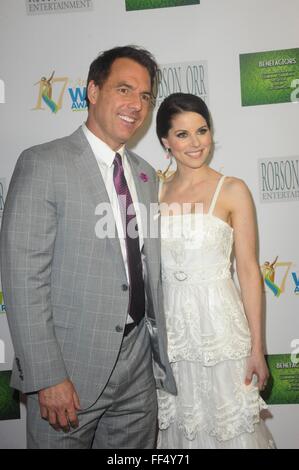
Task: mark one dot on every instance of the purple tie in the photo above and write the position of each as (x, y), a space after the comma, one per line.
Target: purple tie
(137, 297)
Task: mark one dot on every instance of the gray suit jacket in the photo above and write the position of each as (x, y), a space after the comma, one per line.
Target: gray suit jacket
(65, 289)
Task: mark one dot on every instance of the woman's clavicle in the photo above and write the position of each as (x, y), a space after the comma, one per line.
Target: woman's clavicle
(191, 207)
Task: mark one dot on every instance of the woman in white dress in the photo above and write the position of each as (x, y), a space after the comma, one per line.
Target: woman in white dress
(214, 338)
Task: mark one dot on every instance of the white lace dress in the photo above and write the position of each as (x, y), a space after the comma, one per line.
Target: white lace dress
(208, 340)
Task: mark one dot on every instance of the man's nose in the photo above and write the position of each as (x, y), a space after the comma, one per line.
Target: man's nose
(136, 101)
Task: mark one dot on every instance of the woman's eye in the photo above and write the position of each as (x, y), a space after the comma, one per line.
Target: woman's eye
(181, 135)
(203, 130)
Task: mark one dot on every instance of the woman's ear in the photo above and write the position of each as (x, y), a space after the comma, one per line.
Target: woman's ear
(165, 143)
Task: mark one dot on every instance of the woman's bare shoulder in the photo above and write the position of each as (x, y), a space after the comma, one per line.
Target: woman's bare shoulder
(236, 194)
(235, 185)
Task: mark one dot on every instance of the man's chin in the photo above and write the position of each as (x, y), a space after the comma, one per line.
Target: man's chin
(126, 136)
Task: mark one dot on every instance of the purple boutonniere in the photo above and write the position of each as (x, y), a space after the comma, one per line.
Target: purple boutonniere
(143, 177)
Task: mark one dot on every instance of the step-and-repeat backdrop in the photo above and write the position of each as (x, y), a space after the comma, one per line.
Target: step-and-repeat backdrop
(242, 58)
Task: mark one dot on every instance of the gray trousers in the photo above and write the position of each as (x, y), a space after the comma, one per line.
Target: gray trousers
(123, 417)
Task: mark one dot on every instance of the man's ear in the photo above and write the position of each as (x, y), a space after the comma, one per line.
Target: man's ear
(92, 92)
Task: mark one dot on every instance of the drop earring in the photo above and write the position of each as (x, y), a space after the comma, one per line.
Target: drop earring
(170, 158)
(168, 153)
(163, 174)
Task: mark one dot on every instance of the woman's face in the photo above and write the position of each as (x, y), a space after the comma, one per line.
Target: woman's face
(189, 139)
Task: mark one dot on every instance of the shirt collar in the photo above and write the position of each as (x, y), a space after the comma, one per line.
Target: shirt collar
(103, 153)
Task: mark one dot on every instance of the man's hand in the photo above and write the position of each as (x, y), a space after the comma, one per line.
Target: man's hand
(58, 405)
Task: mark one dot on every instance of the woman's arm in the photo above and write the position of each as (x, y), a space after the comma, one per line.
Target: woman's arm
(245, 239)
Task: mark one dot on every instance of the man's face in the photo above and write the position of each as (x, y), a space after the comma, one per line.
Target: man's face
(120, 106)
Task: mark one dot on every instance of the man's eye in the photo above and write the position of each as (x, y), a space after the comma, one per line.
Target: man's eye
(146, 98)
(124, 91)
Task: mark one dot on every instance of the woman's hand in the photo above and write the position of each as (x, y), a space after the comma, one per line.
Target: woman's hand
(257, 365)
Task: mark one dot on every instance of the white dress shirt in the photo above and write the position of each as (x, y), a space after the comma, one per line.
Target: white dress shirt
(105, 157)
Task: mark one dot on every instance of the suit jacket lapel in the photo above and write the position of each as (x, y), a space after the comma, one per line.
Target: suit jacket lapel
(89, 171)
(91, 174)
(146, 195)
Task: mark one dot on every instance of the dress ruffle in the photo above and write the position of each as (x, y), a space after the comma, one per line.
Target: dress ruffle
(205, 323)
(211, 399)
(208, 342)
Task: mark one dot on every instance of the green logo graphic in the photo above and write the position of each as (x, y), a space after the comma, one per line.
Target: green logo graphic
(9, 398)
(269, 77)
(150, 4)
(283, 387)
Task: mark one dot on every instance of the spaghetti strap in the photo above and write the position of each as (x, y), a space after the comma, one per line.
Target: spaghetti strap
(216, 194)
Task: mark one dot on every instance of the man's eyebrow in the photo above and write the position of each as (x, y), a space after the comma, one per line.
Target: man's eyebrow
(124, 84)
(127, 85)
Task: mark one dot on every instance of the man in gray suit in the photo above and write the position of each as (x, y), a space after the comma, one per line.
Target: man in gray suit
(85, 309)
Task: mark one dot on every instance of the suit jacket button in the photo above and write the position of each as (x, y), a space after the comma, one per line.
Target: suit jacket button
(119, 329)
(124, 287)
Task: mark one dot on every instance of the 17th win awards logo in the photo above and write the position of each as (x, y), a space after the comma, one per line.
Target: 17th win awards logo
(295, 277)
(54, 90)
(275, 274)
(51, 92)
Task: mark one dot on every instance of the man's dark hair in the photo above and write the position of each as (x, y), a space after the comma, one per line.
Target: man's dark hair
(100, 68)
